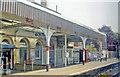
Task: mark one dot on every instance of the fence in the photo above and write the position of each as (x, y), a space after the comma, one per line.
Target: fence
(56, 57)
(4, 66)
(60, 56)
(112, 54)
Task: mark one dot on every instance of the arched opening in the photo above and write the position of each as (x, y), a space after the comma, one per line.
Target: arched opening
(91, 45)
(6, 53)
(5, 41)
(56, 53)
(24, 48)
(38, 52)
(75, 44)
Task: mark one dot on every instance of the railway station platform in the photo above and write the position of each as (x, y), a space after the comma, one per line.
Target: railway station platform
(70, 70)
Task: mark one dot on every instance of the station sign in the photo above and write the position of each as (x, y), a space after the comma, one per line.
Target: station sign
(37, 34)
(29, 20)
(77, 44)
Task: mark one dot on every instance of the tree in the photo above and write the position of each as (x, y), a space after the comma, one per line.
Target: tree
(91, 48)
(112, 37)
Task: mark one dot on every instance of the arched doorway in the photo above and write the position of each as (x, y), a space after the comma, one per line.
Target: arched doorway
(24, 47)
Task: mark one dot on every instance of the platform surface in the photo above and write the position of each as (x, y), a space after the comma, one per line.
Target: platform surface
(73, 69)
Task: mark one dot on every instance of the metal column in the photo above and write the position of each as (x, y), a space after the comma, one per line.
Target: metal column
(84, 41)
(65, 50)
(48, 33)
(55, 57)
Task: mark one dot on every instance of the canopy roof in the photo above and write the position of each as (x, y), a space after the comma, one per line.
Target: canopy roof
(34, 12)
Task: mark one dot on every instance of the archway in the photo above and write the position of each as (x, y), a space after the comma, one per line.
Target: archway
(6, 53)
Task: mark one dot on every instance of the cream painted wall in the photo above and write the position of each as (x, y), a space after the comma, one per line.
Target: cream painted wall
(21, 34)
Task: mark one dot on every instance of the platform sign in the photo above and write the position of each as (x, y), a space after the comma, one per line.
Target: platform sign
(32, 53)
(80, 43)
(29, 20)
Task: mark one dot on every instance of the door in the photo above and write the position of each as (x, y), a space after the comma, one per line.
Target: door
(23, 54)
(6, 59)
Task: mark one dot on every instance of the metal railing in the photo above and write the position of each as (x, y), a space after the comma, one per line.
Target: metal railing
(4, 66)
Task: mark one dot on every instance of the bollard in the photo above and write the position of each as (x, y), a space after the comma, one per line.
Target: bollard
(24, 66)
(32, 65)
(7, 70)
(6, 63)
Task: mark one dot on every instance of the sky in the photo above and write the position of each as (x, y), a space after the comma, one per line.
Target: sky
(92, 13)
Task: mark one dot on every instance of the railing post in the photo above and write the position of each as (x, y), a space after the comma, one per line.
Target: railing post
(55, 57)
(24, 66)
(42, 54)
(32, 65)
(11, 59)
(6, 63)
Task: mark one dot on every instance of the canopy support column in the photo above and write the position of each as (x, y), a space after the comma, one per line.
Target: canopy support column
(84, 41)
(48, 33)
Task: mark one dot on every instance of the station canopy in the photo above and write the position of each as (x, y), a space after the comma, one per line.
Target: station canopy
(31, 17)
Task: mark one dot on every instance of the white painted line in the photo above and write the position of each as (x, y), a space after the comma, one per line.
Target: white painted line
(77, 73)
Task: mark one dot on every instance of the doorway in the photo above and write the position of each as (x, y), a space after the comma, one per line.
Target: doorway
(23, 54)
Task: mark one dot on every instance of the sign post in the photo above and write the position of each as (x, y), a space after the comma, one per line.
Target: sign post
(24, 66)
(32, 57)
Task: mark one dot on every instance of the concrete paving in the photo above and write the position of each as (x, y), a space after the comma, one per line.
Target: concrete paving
(73, 69)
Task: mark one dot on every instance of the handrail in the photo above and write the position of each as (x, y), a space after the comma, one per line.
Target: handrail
(28, 62)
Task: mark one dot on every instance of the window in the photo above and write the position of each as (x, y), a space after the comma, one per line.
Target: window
(23, 51)
(38, 50)
(5, 41)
